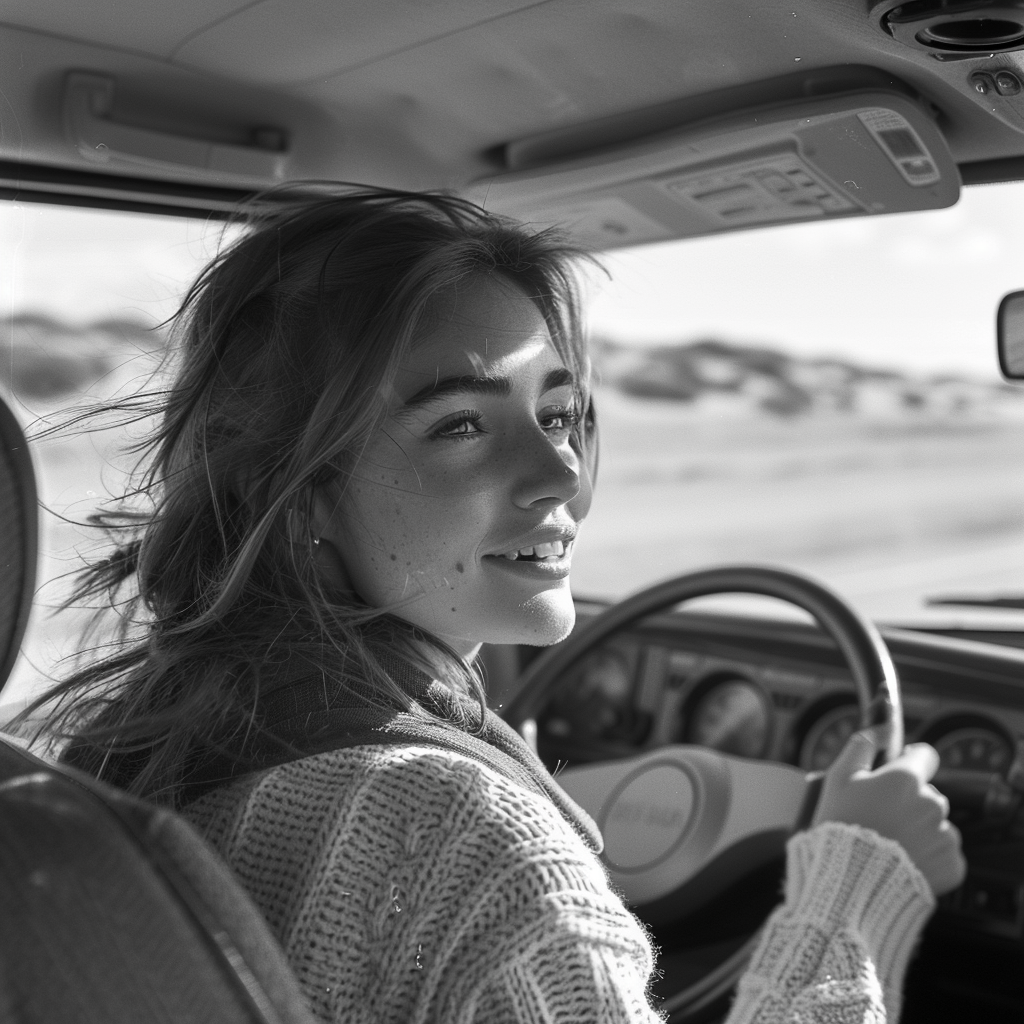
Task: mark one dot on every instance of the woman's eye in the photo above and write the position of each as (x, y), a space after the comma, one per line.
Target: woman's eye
(462, 425)
(559, 421)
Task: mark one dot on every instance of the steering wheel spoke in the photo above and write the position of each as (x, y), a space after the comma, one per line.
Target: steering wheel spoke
(682, 823)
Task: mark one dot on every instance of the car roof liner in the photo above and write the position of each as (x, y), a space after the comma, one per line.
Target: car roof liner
(438, 98)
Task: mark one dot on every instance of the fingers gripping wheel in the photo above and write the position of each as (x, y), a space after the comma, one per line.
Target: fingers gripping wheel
(681, 823)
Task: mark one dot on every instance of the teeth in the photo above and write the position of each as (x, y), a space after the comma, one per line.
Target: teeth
(554, 549)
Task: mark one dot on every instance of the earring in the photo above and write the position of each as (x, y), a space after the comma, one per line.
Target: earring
(316, 541)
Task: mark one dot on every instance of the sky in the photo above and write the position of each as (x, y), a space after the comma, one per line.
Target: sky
(912, 291)
(917, 291)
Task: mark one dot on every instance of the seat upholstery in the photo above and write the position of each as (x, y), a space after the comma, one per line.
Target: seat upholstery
(111, 910)
(18, 538)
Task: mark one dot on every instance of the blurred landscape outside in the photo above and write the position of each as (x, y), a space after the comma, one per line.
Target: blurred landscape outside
(829, 421)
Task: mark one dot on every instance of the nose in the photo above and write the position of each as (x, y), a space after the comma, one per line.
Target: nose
(545, 475)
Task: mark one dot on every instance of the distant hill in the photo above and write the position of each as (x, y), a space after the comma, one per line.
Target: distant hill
(45, 358)
(761, 379)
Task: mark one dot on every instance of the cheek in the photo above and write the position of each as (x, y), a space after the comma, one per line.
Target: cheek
(372, 530)
(418, 526)
(397, 531)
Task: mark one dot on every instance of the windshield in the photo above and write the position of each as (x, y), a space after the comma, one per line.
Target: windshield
(823, 397)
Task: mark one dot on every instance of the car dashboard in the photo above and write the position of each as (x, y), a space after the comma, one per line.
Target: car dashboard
(780, 691)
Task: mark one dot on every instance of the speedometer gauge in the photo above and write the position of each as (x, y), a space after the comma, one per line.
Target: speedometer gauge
(974, 749)
(733, 717)
(827, 736)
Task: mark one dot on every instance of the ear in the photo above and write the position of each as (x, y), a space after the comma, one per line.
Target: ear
(296, 526)
(321, 529)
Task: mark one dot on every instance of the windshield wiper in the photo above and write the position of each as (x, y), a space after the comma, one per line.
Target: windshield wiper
(978, 600)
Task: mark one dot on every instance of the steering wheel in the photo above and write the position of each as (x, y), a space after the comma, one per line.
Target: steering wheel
(683, 823)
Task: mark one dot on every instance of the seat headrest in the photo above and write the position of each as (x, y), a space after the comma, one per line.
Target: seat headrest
(19, 538)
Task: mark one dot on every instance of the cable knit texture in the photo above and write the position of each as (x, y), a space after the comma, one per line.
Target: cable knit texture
(411, 884)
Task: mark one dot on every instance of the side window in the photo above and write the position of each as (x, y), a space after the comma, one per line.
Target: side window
(85, 293)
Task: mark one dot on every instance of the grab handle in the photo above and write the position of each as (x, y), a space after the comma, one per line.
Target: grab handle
(88, 102)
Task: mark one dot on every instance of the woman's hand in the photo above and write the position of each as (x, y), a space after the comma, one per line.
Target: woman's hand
(898, 803)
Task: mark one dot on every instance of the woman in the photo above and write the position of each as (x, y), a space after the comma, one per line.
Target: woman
(375, 455)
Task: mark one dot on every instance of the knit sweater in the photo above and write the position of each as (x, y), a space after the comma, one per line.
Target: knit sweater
(414, 884)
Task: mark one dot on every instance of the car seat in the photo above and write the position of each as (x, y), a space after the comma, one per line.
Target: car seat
(111, 910)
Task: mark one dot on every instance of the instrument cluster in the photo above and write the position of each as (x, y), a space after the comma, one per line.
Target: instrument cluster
(981, 748)
(762, 693)
(630, 695)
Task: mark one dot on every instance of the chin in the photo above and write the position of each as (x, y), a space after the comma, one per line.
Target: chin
(542, 620)
(538, 621)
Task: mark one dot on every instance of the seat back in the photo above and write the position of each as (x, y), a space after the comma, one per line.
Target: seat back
(111, 910)
(19, 531)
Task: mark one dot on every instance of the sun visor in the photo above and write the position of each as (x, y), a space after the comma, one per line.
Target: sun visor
(866, 152)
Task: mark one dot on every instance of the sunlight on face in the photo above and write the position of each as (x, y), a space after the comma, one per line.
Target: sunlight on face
(463, 510)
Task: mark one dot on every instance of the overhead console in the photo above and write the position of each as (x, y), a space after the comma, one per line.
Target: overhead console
(859, 151)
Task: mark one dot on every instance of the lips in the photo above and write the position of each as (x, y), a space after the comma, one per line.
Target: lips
(541, 555)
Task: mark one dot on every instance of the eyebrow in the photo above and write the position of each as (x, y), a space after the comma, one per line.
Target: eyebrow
(481, 385)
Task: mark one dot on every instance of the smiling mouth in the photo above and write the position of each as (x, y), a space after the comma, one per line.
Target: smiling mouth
(550, 552)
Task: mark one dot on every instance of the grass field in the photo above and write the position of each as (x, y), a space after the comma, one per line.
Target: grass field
(887, 511)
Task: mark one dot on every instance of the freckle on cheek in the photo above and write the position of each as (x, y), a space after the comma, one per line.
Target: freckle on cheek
(459, 567)
(394, 558)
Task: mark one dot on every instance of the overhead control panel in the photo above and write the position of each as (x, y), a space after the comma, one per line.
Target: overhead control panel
(854, 154)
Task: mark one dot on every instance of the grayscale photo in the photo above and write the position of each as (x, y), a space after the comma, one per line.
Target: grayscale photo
(513, 513)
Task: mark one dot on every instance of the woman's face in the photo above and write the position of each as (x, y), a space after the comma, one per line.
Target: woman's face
(463, 510)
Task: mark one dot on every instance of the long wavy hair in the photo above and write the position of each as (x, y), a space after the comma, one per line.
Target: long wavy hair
(285, 351)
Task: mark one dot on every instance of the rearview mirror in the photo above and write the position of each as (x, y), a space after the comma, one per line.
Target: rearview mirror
(1010, 335)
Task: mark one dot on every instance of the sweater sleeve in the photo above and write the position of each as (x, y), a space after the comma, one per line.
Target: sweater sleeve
(838, 946)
